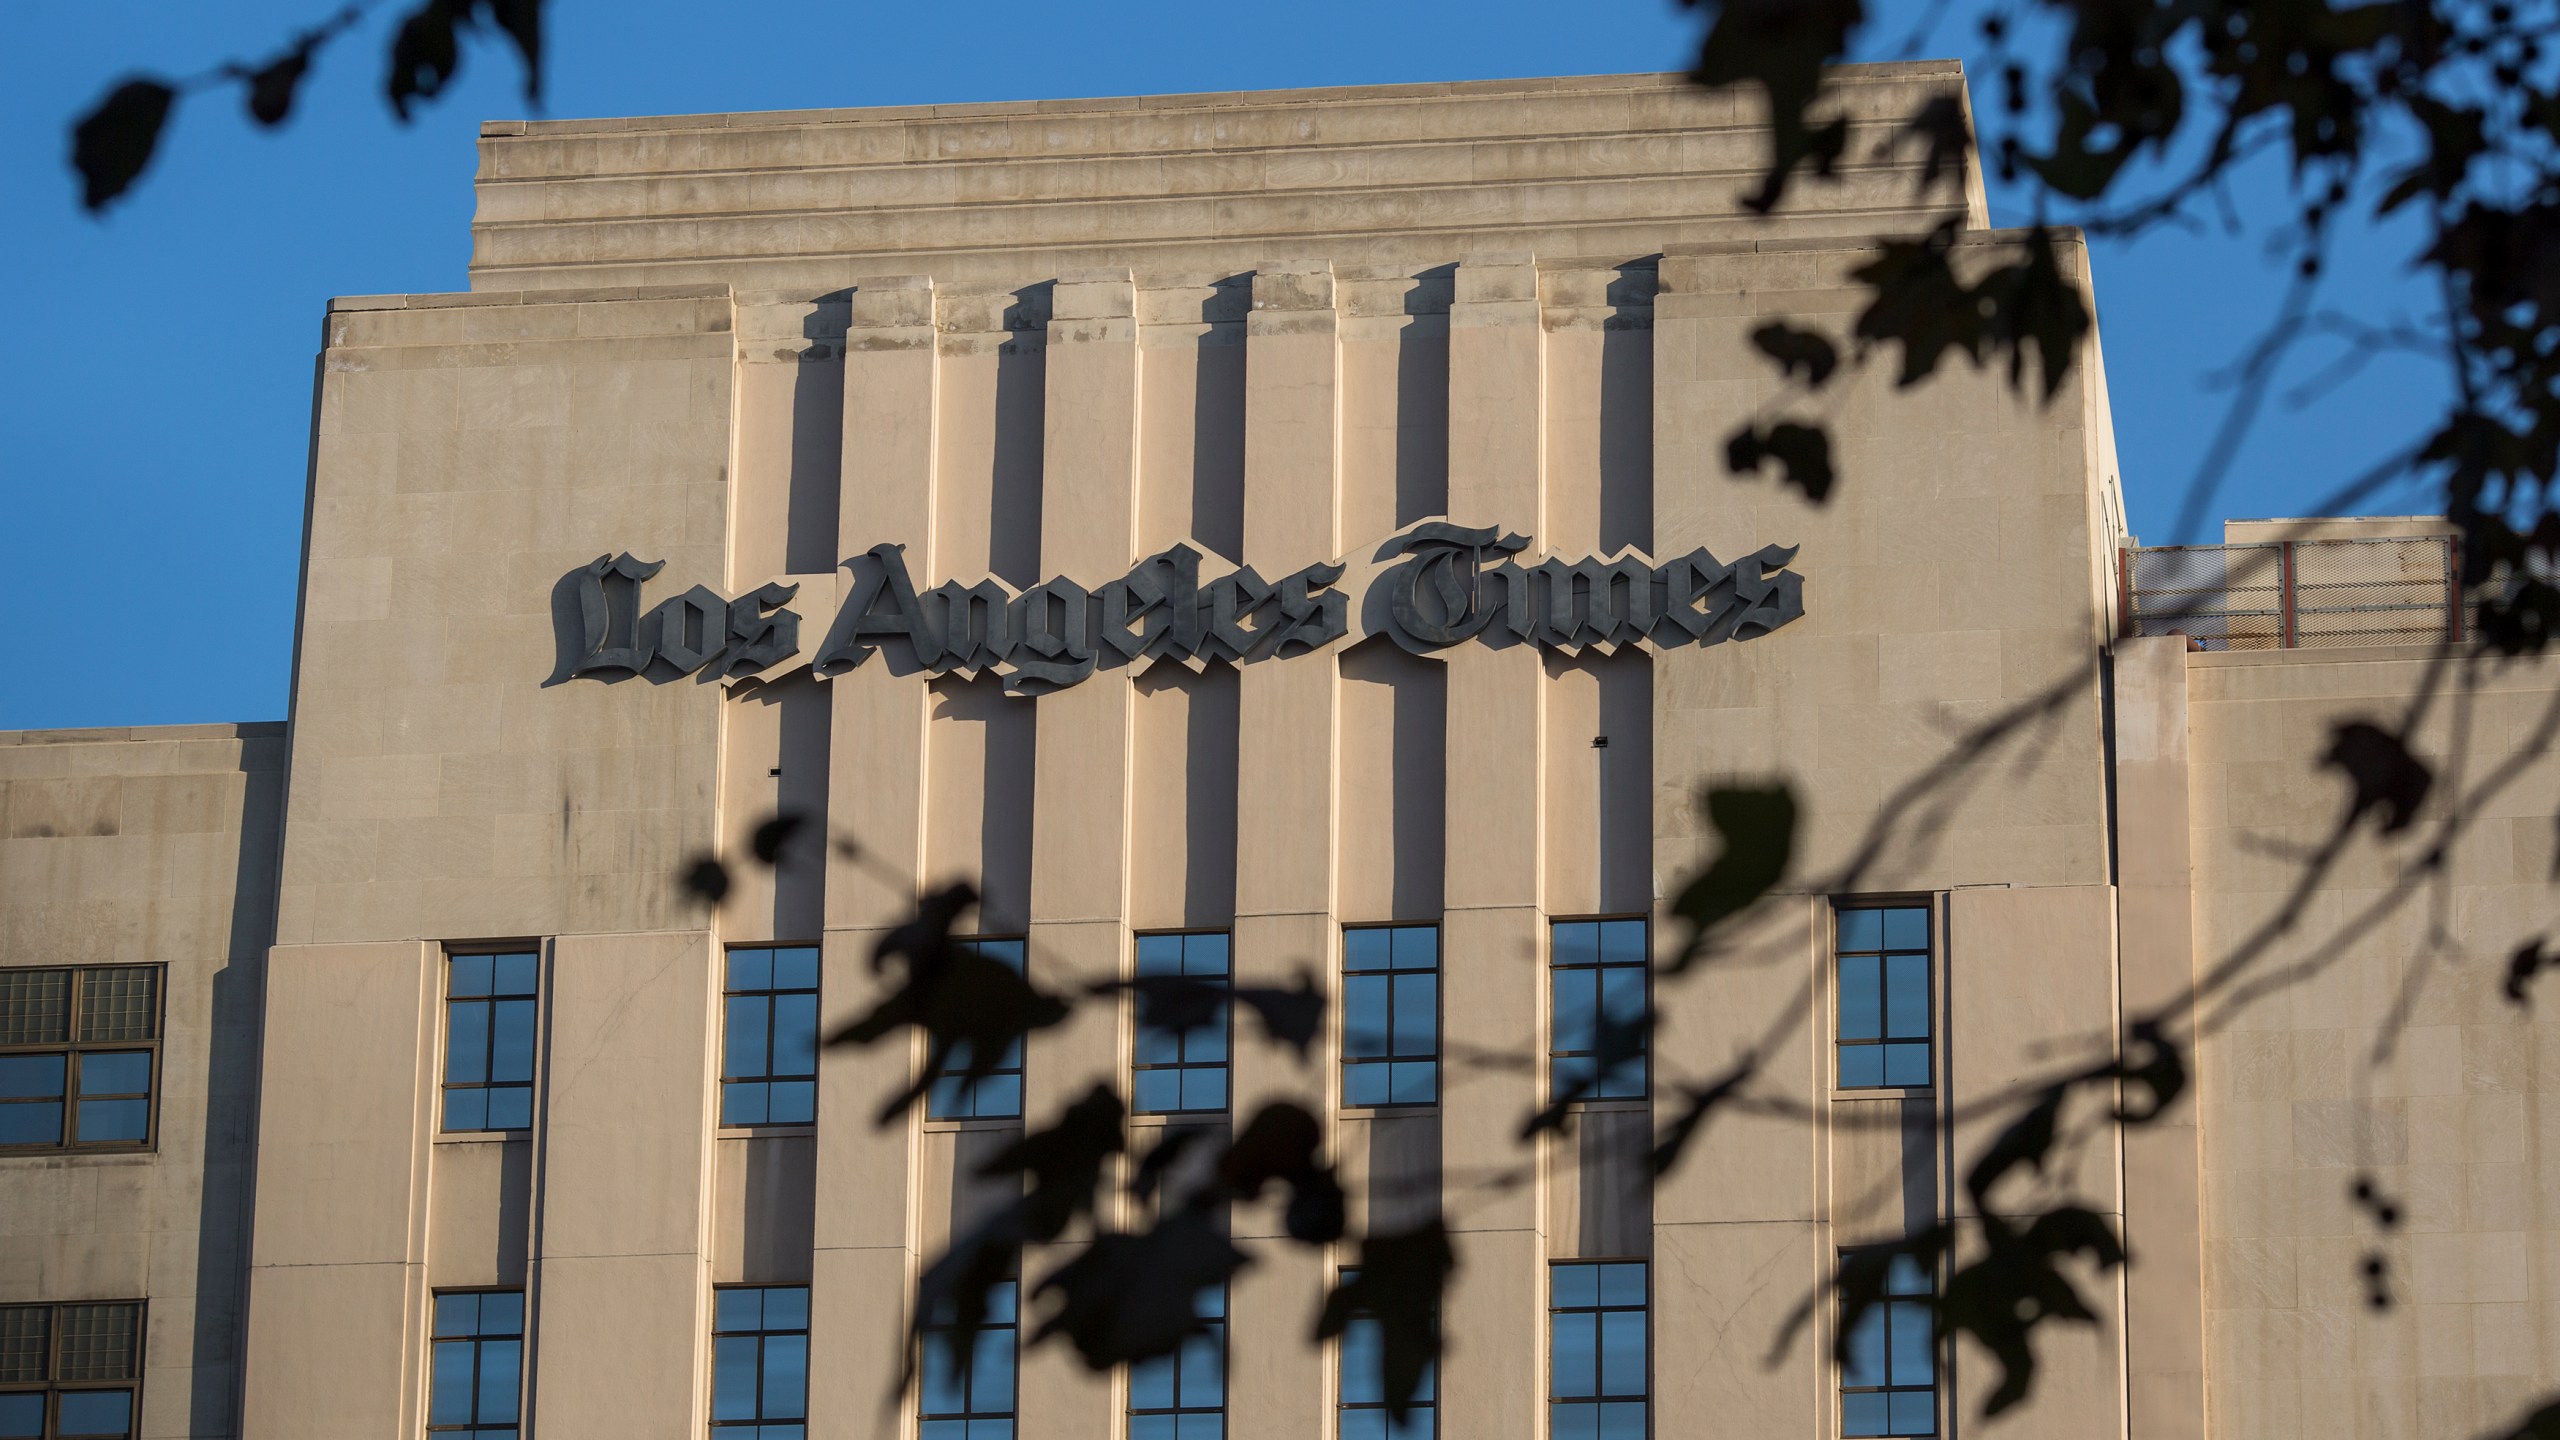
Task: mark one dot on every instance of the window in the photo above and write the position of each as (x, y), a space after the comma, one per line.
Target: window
(69, 1372)
(1183, 1070)
(478, 1380)
(1884, 997)
(1889, 1383)
(1596, 1354)
(995, 1093)
(78, 1050)
(1391, 1015)
(769, 1037)
(968, 1373)
(1183, 1396)
(1597, 970)
(760, 1363)
(488, 1041)
(1363, 1387)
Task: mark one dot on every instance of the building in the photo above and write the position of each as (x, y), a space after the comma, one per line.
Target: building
(372, 1074)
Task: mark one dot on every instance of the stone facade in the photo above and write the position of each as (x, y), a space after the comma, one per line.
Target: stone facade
(1057, 339)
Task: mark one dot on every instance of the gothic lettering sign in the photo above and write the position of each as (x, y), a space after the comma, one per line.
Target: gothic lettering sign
(1427, 587)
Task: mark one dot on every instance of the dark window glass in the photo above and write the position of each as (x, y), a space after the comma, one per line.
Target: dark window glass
(1889, 1382)
(1362, 1386)
(488, 1041)
(995, 1092)
(760, 1363)
(1884, 997)
(475, 1383)
(1391, 1015)
(1597, 1357)
(1179, 1071)
(79, 1049)
(1597, 973)
(968, 1391)
(1183, 1396)
(769, 1036)
(70, 1372)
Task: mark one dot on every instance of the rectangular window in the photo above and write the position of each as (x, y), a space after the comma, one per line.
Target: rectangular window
(1889, 1383)
(996, 1093)
(1362, 1385)
(1183, 1071)
(477, 1385)
(1597, 971)
(769, 1036)
(1183, 1396)
(1884, 997)
(79, 1049)
(488, 1041)
(1596, 1355)
(969, 1374)
(70, 1372)
(1391, 1015)
(760, 1363)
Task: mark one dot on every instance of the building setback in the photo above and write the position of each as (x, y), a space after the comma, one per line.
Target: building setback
(1249, 536)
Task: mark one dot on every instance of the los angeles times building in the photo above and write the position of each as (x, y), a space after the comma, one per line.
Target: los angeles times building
(1258, 541)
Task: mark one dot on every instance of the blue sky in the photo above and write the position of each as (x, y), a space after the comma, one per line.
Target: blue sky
(157, 401)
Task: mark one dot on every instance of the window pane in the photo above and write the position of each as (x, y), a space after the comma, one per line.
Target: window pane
(743, 1103)
(1574, 1422)
(502, 1312)
(795, 967)
(1203, 1371)
(733, 1377)
(991, 1381)
(1861, 1066)
(1622, 994)
(1204, 1088)
(792, 1102)
(1622, 1284)
(1417, 1018)
(119, 1004)
(1151, 1388)
(468, 975)
(1159, 954)
(1204, 955)
(742, 1037)
(1862, 1414)
(1912, 1344)
(511, 1107)
(1861, 929)
(500, 1362)
(1413, 1082)
(1576, 1007)
(1364, 1015)
(1572, 1072)
(1621, 1421)
(30, 1076)
(1913, 1412)
(1207, 1042)
(1415, 947)
(21, 1416)
(1907, 928)
(466, 1042)
(1574, 1354)
(1571, 1285)
(1862, 1359)
(466, 1110)
(31, 1124)
(750, 970)
(947, 1100)
(1622, 943)
(786, 1307)
(1366, 949)
(86, 1413)
(511, 1043)
(1158, 1091)
(514, 974)
(1364, 1424)
(108, 1122)
(1861, 1014)
(1361, 1085)
(1622, 1352)
(35, 1006)
(795, 1035)
(999, 1095)
(737, 1309)
(1000, 1301)
(786, 1377)
(1906, 996)
(1361, 1383)
(1212, 1426)
(1906, 1064)
(457, 1315)
(449, 1395)
(115, 1072)
(942, 1393)
(23, 1333)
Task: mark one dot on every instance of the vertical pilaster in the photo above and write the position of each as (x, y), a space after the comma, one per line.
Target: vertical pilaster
(1285, 801)
(1080, 806)
(866, 1238)
(1494, 942)
(2155, 930)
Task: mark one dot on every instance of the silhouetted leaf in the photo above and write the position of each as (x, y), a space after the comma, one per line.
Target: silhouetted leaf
(1172, 1003)
(2026, 1141)
(1805, 352)
(1064, 1162)
(425, 53)
(1758, 827)
(2542, 1424)
(957, 996)
(1400, 1283)
(1698, 1102)
(954, 1288)
(1781, 46)
(272, 87)
(1158, 1162)
(1128, 1298)
(707, 880)
(1922, 305)
(113, 142)
(2522, 966)
(1291, 1017)
(1316, 1213)
(2520, 622)
(2154, 1062)
(1803, 453)
(1941, 125)
(2017, 1285)
(1282, 1139)
(775, 833)
(2387, 780)
(521, 21)
(1616, 1042)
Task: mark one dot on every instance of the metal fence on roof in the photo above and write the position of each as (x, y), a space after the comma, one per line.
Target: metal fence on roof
(2294, 594)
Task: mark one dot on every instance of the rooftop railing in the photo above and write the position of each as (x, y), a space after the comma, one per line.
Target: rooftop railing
(2294, 594)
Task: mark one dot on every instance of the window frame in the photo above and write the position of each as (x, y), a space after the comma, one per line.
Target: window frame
(967, 1419)
(1343, 975)
(1226, 1022)
(1842, 1389)
(52, 1388)
(1019, 1070)
(748, 1427)
(479, 1341)
(815, 990)
(1933, 964)
(1131, 1414)
(1599, 969)
(72, 1048)
(445, 999)
(1600, 1306)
